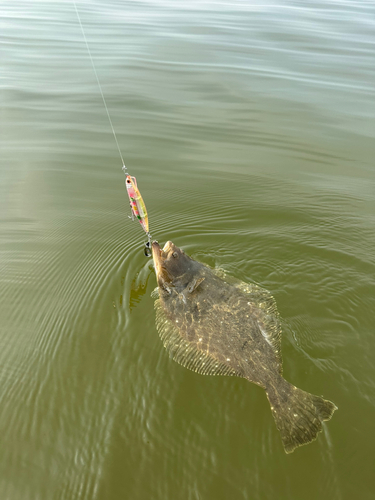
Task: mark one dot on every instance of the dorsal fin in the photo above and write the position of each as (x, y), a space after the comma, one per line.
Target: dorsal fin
(187, 353)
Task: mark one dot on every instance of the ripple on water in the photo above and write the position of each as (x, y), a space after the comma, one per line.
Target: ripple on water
(251, 140)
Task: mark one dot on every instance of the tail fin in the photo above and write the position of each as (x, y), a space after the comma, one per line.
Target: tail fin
(298, 414)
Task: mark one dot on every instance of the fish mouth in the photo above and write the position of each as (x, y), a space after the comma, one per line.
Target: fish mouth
(161, 254)
(158, 256)
(164, 252)
(155, 246)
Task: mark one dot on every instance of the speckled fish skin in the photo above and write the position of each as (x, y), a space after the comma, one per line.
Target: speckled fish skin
(214, 327)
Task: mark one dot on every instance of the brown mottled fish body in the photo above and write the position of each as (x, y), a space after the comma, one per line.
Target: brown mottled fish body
(219, 327)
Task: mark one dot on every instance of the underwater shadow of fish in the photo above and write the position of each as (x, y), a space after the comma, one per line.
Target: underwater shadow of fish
(214, 327)
(138, 288)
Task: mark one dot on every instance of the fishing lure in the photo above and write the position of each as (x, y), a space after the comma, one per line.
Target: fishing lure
(138, 208)
(137, 205)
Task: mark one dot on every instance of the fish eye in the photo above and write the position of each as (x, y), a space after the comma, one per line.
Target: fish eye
(128, 181)
(175, 255)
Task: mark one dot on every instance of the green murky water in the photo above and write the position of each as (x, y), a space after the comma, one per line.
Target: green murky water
(250, 129)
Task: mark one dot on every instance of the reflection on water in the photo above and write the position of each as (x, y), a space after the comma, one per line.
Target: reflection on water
(250, 130)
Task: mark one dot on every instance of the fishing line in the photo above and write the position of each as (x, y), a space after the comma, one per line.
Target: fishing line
(137, 206)
(100, 87)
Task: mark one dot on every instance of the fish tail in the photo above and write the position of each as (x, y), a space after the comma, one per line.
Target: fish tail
(298, 414)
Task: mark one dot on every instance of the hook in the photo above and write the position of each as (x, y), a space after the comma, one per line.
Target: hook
(147, 249)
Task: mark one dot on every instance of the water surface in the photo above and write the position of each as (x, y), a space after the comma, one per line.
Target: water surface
(250, 129)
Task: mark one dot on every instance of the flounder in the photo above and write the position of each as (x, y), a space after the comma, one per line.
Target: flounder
(217, 327)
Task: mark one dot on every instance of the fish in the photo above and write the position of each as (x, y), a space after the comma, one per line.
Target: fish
(216, 325)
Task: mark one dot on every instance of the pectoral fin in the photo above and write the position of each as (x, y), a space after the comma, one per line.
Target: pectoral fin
(193, 285)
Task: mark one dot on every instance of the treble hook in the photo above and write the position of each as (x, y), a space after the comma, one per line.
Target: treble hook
(148, 248)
